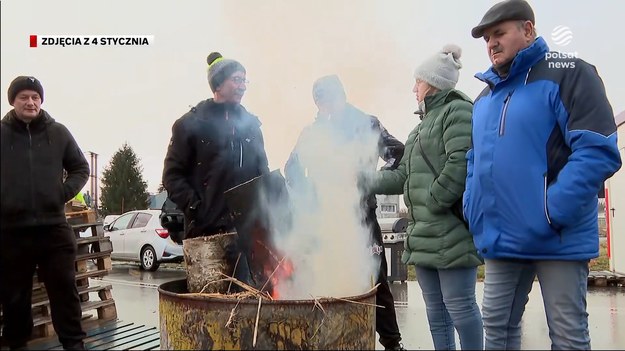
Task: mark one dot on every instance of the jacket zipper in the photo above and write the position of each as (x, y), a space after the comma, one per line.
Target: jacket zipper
(504, 112)
(241, 153)
(232, 142)
(30, 164)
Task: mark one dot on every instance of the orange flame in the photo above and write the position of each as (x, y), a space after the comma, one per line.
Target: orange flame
(278, 275)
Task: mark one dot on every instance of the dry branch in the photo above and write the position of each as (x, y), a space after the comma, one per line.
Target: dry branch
(232, 314)
(318, 305)
(350, 301)
(234, 271)
(256, 324)
(272, 273)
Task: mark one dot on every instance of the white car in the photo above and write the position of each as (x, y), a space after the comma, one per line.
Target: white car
(108, 219)
(139, 236)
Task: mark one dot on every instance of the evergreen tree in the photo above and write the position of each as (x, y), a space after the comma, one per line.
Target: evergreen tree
(161, 188)
(123, 188)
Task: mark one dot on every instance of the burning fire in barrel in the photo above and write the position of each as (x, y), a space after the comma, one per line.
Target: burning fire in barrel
(233, 301)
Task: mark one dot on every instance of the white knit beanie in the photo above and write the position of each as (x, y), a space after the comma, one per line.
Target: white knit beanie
(441, 70)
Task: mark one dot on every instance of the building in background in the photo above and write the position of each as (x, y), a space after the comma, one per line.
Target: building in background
(614, 207)
(156, 201)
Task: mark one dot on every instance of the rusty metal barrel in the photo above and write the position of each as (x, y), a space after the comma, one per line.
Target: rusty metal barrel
(200, 322)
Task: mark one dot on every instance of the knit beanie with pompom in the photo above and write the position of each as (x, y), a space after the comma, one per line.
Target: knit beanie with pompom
(441, 70)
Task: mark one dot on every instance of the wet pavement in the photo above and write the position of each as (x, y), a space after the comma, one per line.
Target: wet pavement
(136, 296)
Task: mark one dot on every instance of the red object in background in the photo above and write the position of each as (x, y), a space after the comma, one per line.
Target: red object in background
(33, 41)
(607, 221)
(163, 233)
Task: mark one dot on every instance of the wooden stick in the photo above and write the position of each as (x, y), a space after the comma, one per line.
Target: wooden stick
(250, 289)
(272, 273)
(370, 290)
(209, 283)
(234, 271)
(256, 324)
(243, 294)
(320, 307)
(356, 302)
(232, 313)
(246, 287)
(273, 255)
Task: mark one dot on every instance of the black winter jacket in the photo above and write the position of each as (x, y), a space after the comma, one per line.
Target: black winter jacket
(213, 148)
(33, 159)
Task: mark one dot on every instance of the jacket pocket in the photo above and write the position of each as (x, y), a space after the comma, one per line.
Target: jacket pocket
(554, 226)
(49, 201)
(546, 209)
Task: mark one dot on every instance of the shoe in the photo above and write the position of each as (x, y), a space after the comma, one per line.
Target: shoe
(398, 347)
(76, 346)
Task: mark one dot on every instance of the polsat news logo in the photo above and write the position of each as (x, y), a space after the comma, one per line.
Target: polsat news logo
(90, 40)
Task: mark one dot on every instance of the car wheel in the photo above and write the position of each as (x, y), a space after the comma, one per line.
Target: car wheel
(148, 259)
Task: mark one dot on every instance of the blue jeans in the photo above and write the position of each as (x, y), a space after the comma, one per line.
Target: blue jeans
(563, 285)
(449, 296)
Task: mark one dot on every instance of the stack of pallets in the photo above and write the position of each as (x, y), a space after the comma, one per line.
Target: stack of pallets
(606, 278)
(93, 260)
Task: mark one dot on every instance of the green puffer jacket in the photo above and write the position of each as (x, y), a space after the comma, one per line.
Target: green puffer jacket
(436, 238)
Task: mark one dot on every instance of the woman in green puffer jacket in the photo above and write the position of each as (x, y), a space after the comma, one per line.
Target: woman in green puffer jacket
(431, 176)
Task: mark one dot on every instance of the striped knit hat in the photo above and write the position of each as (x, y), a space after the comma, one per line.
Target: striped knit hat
(220, 69)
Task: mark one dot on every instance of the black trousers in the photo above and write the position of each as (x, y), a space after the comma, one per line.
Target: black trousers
(53, 250)
(385, 318)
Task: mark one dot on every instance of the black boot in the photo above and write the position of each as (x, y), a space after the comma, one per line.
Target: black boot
(75, 346)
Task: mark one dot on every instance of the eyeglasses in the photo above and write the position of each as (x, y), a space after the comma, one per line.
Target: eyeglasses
(239, 80)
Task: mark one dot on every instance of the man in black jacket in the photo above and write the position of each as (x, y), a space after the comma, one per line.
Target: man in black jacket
(214, 147)
(34, 231)
(351, 132)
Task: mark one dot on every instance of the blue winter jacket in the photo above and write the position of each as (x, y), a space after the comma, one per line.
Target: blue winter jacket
(544, 141)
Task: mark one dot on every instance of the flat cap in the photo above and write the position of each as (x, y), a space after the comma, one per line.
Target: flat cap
(509, 10)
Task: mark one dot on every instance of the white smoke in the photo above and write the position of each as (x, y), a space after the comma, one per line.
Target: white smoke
(329, 244)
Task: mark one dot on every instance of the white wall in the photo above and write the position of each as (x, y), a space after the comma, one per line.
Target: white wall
(616, 201)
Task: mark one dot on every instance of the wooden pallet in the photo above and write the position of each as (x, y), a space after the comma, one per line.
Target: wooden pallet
(111, 335)
(81, 217)
(102, 309)
(605, 278)
(96, 226)
(93, 260)
(75, 206)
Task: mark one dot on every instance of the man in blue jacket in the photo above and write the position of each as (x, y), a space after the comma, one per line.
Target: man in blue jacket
(544, 142)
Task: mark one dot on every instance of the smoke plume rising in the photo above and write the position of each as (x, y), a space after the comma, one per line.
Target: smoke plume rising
(328, 242)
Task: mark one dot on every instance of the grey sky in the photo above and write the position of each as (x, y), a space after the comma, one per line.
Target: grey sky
(110, 95)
